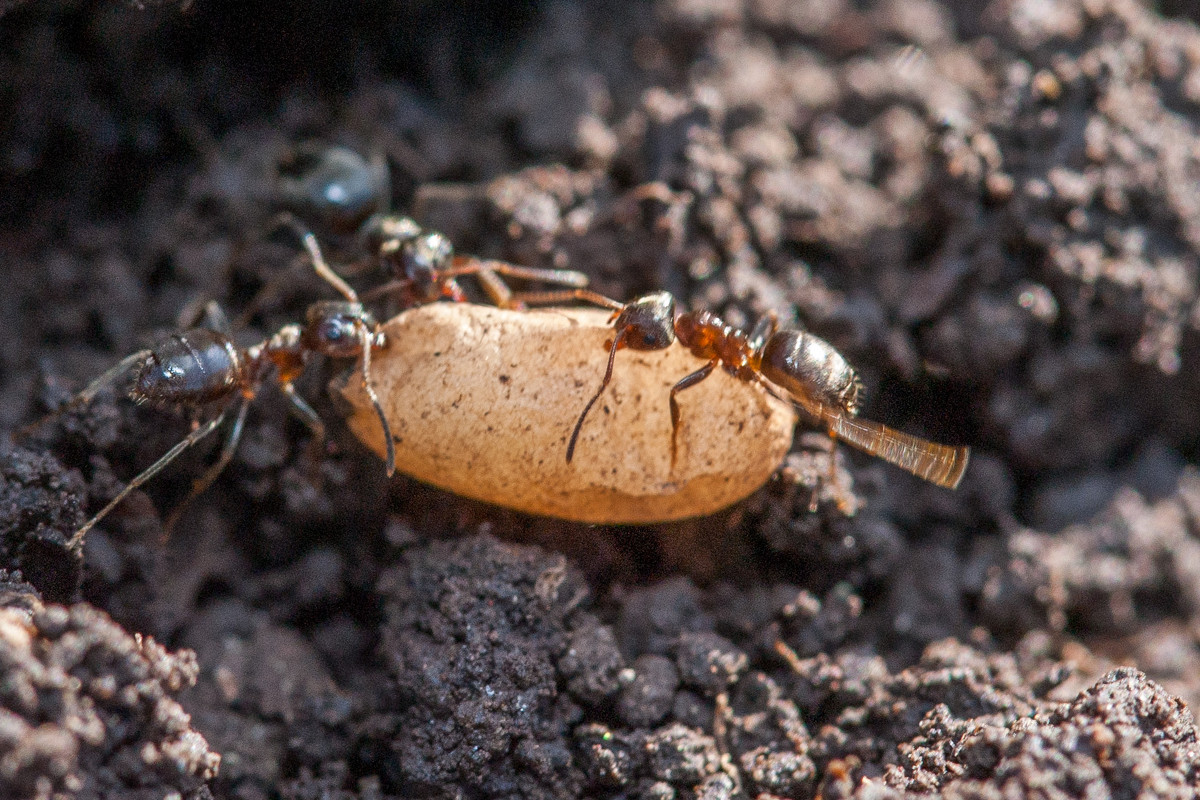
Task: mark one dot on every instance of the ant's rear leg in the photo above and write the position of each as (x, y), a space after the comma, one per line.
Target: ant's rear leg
(89, 392)
(496, 289)
(214, 318)
(488, 273)
(762, 331)
(215, 469)
(209, 316)
(109, 376)
(835, 483)
(686, 382)
(76, 541)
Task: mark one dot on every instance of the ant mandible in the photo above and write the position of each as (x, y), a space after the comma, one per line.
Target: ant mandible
(792, 365)
(202, 367)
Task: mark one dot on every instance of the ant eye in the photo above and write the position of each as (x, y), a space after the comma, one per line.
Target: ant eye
(332, 331)
(649, 339)
(338, 337)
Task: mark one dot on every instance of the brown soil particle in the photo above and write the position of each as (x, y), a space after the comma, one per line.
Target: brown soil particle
(86, 710)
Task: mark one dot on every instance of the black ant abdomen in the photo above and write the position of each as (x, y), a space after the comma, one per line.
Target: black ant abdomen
(804, 365)
(194, 367)
(334, 185)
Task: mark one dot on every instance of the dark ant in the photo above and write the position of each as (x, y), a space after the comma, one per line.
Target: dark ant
(424, 267)
(347, 193)
(794, 366)
(203, 366)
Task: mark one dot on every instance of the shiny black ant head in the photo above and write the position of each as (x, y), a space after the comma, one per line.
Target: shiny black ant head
(648, 323)
(334, 185)
(334, 328)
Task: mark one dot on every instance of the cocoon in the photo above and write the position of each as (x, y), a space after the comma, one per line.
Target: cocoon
(481, 401)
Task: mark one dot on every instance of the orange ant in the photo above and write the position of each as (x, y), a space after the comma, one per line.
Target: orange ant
(202, 367)
(794, 366)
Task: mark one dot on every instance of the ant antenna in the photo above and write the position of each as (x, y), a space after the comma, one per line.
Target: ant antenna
(618, 340)
(389, 443)
(646, 323)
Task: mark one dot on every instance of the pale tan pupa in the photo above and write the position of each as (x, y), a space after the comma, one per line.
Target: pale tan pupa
(481, 401)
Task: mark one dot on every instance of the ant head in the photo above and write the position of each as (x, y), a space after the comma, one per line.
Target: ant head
(335, 185)
(423, 259)
(385, 233)
(334, 328)
(648, 323)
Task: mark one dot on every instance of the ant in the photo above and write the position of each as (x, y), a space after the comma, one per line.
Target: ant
(424, 267)
(793, 365)
(349, 194)
(202, 367)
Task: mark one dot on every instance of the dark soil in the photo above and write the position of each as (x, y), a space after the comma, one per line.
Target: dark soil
(991, 208)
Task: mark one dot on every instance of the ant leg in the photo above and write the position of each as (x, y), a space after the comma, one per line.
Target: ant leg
(111, 374)
(368, 342)
(215, 320)
(780, 396)
(618, 342)
(686, 382)
(470, 265)
(763, 330)
(216, 468)
(452, 291)
(90, 391)
(76, 541)
(391, 287)
(314, 423)
(314, 254)
(833, 471)
(567, 295)
(497, 290)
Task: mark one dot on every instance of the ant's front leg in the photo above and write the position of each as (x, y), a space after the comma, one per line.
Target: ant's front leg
(686, 382)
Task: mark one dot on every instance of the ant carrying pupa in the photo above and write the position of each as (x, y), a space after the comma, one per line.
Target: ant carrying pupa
(202, 368)
(792, 365)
